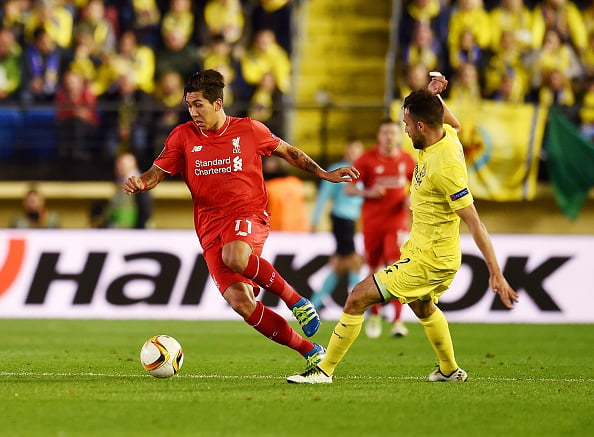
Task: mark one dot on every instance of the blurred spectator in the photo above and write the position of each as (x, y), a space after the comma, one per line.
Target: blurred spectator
(94, 22)
(275, 15)
(266, 56)
(434, 13)
(226, 18)
(121, 15)
(554, 55)
(588, 58)
(466, 51)
(506, 64)
(556, 89)
(84, 61)
(123, 211)
(54, 18)
(136, 58)
(76, 118)
(514, 17)
(510, 88)
(72, 6)
(169, 109)
(131, 59)
(468, 16)
(266, 105)
(146, 23)
(286, 197)
(465, 84)
(179, 16)
(42, 63)
(13, 18)
(10, 67)
(416, 77)
(424, 49)
(564, 17)
(586, 112)
(126, 119)
(34, 213)
(219, 57)
(177, 53)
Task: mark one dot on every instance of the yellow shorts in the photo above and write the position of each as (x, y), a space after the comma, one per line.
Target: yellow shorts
(417, 276)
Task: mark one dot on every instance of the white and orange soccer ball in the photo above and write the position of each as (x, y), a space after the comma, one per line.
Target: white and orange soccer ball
(162, 356)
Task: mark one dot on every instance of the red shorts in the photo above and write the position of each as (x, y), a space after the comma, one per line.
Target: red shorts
(382, 248)
(252, 229)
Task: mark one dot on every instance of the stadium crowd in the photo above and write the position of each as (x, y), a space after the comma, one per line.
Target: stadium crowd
(538, 51)
(110, 74)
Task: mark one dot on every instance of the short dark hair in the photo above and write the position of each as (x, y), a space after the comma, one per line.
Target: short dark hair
(424, 106)
(209, 82)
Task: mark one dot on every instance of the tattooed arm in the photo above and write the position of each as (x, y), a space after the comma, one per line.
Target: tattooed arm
(298, 158)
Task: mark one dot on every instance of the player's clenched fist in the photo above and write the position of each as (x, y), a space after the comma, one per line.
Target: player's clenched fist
(438, 82)
(134, 185)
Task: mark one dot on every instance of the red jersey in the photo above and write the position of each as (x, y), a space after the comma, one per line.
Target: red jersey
(393, 172)
(222, 169)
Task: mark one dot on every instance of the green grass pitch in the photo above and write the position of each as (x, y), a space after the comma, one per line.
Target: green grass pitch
(83, 377)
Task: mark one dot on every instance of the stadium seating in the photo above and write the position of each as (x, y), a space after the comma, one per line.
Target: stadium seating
(39, 133)
(11, 125)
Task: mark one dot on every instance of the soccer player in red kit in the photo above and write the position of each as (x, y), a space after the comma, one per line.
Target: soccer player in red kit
(385, 173)
(220, 159)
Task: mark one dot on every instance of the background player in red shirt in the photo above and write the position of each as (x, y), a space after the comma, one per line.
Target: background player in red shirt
(386, 171)
(220, 159)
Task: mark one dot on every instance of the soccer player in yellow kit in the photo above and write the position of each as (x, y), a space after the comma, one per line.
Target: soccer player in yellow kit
(431, 257)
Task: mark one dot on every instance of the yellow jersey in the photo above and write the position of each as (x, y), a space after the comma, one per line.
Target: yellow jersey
(439, 188)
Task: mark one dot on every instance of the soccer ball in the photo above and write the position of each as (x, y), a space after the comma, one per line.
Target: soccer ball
(162, 356)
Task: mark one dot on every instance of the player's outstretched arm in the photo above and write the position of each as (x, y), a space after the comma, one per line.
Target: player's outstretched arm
(146, 181)
(437, 85)
(298, 158)
(481, 237)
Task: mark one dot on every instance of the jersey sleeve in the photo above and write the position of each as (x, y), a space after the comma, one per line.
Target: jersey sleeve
(171, 159)
(453, 183)
(266, 142)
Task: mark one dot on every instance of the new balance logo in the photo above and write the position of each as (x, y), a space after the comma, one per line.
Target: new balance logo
(196, 148)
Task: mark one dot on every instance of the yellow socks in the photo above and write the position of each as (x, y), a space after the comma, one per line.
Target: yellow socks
(344, 335)
(438, 333)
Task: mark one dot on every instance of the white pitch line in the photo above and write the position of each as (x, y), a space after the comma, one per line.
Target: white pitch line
(272, 377)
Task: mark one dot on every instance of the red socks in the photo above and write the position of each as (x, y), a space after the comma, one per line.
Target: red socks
(375, 309)
(265, 275)
(276, 328)
(397, 309)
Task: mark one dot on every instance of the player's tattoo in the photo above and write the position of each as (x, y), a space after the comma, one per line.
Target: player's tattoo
(303, 161)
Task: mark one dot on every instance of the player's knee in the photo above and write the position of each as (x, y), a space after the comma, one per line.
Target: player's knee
(244, 308)
(240, 299)
(235, 261)
(360, 299)
(422, 309)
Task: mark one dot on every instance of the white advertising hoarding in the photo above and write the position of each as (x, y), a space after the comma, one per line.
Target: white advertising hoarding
(161, 274)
